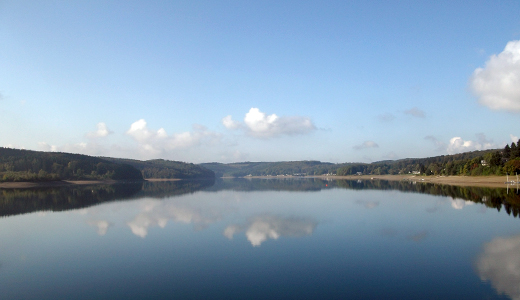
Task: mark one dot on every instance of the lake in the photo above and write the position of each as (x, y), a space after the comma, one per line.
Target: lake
(260, 238)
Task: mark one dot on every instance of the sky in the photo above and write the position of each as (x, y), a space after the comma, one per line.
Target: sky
(232, 81)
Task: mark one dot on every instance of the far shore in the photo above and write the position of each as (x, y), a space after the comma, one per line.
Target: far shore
(37, 184)
(482, 181)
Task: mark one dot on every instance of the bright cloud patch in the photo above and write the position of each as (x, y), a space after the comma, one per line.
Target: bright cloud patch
(230, 123)
(458, 145)
(366, 144)
(102, 131)
(259, 124)
(514, 138)
(415, 112)
(497, 85)
(261, 228)
(157, 142)
(499, 263)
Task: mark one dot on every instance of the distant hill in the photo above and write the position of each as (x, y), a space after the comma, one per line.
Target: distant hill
(160, 168)
(306, 167)
(486, 162)
(28, 165)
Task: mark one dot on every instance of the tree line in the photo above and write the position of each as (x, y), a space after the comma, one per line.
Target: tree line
(26, 165)
(490, 162)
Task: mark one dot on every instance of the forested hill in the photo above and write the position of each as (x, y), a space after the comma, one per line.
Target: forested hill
(27, 165)
(273, 168)
(160, 168)
(487, 162)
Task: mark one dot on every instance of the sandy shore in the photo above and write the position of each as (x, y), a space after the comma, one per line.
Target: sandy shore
(484, 181)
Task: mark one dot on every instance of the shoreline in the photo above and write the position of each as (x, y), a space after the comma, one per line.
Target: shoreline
(40, 184)
(478, 181)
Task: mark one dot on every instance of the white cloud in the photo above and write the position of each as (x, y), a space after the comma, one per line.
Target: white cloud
(366, 144)
(497, 85)
(415, 112)
(102, 131)
(230, 123)
(458, 145)
(500, 264)
(46, 147)
(258, 124)
(158, 142)
(261, 228)
(514, 138)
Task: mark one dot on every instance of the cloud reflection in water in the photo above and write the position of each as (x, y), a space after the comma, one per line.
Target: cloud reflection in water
(102, 226)
(499, 263)
(158, 213)
(260, 228)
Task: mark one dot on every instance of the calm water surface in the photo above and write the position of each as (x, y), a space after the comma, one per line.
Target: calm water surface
(297, 238)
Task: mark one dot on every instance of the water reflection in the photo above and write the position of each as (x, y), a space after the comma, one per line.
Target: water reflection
(262, 227)
(499, 263)
(158, 213)
(101, 225)
(20, 201)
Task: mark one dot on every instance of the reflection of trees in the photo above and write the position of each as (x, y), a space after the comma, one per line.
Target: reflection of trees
(491, 197)
(499, 263)
(260, 228)
(20, 201)
(274, 184)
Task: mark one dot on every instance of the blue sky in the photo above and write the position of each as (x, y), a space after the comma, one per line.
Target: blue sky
(226, 81)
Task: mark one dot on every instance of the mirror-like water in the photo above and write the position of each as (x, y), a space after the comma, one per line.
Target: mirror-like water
(292, 238)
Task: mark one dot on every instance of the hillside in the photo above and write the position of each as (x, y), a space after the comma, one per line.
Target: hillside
(272, 168)
(486, 162)
(160, 168)
(27, 165)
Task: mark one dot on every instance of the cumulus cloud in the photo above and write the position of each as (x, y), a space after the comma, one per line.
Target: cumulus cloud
(102, 131)
(458, 145)
(263, 227)
(415, 112)
(514, 138)
(157, 142)
(439, 145)
(258, 124)
(229, 123)
(497, 85)
(499, 263)
(46, 147)
(365, 145)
